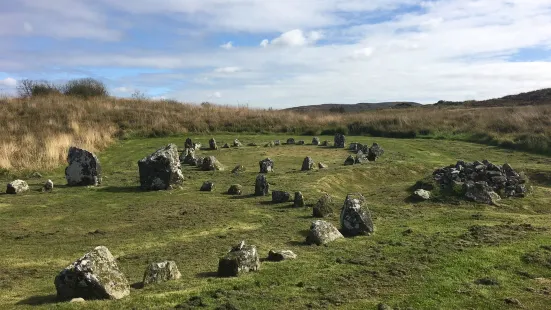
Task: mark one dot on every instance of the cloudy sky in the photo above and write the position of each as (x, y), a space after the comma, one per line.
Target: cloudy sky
(282, 53)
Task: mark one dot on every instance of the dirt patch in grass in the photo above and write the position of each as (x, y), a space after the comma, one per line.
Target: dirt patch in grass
(497, 234)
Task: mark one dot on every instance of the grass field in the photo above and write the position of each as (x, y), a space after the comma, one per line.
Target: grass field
(425, 255)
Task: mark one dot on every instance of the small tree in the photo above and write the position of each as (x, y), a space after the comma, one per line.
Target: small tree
(85, 87)
(138, 95)
(29, 88)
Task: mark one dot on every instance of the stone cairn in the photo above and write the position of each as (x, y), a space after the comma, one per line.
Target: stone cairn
(481, 181)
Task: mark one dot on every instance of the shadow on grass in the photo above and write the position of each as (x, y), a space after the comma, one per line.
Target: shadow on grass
(208, 274)
(287, 206)
(121, 189)
(243, 196)
(39, 300)
(137, 285)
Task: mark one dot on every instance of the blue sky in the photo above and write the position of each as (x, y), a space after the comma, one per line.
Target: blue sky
(283, 53)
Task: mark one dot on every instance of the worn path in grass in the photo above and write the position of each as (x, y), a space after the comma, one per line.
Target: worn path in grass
(433, 265)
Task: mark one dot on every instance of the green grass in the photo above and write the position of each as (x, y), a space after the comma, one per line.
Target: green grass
(434, 267)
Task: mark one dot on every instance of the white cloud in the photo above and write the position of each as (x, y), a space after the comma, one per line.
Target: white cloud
(295, 37)
(215, 95)
(227, 46)
(123, 90)
(227, 70)
(9, 82)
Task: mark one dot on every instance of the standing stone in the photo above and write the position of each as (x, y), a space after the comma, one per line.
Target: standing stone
(291, 141)
(266, 165)
(322, 232)
(188, 144)
(315, 141)
(323, 206)
(197, 146)
(188, 157)
(261, 187)
(241, 258)
(354, 147)
(212, 144)
(350, 160)
(84, 168)
(279, 255)
(307, 164)
(236, 143)
(161, 170)
(96, 275)
(322, 166)
(235, 189)
(210, 163)
(339, 140)
(280, 196)
(299, 200)
(48, 186)
(161, 272)
(207, 186)
(375, 151)
(355, 217)
(16, 187)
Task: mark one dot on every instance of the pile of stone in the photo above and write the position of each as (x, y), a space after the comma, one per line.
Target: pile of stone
(481, 181)
(363, 153)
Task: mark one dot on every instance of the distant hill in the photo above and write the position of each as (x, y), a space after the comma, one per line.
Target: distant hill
(358, 107)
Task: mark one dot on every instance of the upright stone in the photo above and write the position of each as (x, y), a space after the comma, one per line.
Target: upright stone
(323, 207)
(307, 164)
(261, 187)
(237, 143)
(188, 157)
(322, 232)
(266, 165)
(16, 187)
(277, 142)
(48, 186)
(350, 160)
(212, 144)
(315, 141)
(322, 165)
(299, 200)
(161, 272)
(339, 140)
(355, 216)
(96, 275)
(161, 170)
(375, 151)
(84, 168)
(210, 163)
(241, 258)
(189, 144)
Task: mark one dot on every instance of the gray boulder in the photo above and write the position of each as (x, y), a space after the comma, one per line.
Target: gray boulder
(16, 187)
(210, 163)
(261, 187)
(96, 275)
(207, 186)
(225, 146)
(355, 217)
(322, 232)
(324, 143)
(280, 196)
(307, 164)
(315, 141)
(421, 194)
(291, 141)
(280, 255)
(237, 143)
(277, 142)
(350, 160)
(339, 140)
(198, 161)
(188, 144)
(237, 169)
(266, 165)
(212, 144)
(299, 200)
(375, 151)
(161, 170)
(188, 157)
(48, 186)
(241, 258)
(235, 189)
(480, 192)
(301, 142)
(84, 168)
(322, 166)
(323, 207)
(161, 272)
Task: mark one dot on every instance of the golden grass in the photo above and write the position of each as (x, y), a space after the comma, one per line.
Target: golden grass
(38, 131)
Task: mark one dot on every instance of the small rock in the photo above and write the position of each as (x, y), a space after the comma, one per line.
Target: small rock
(48, 186)
(277, 256)
(16, 187)
(207, 186)
(382, 306)
(315, 141)
(238, 168)
(75, 300)
(513, 301)
(291, 141)
(210, 163)
(237, 143)
(277, 142)
(324, 143)
(212, 144)
(280, 196)
(235, 189)
(161, 272)
(350, 160)
(301, 142)
(225, 146)
(322, 232)
(307, 164)
(322, 166)
(266, 165)
(240, 259)
(299, 200)
(355, 216)
(323, 207)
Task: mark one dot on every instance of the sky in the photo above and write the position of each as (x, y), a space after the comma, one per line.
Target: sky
(282, 53)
